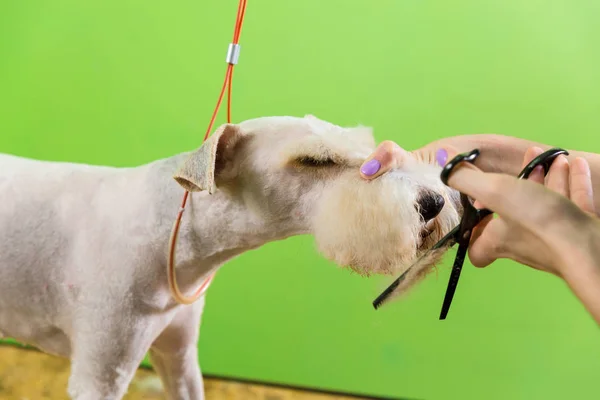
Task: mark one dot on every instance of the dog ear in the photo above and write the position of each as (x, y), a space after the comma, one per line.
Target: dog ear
(204, 165)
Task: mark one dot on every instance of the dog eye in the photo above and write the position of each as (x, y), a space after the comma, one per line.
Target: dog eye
(307, 161)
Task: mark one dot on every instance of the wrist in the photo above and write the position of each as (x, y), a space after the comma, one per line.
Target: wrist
(582, 276)
(580, 265)
(579, 259)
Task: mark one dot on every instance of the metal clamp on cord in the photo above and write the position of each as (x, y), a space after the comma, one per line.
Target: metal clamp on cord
(233, 54)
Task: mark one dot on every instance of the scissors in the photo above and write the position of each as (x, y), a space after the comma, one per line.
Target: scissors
(461, 234)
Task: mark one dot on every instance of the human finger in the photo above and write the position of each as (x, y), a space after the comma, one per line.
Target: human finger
(470, 180)
(385, 157)
(487, 246)
(506, 195)
(477, 204)
(449, 154)
(480, 228)
(537, 175)
(558, 176)
(581, 189)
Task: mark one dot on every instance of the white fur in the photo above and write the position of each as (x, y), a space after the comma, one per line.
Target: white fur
(83, 248)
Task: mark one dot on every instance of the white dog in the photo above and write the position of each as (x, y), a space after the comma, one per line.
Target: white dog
(83, 249)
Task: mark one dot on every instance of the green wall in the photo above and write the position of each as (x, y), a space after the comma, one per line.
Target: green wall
(123, 82)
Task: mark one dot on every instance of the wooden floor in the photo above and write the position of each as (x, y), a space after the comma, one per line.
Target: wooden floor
(31, 375)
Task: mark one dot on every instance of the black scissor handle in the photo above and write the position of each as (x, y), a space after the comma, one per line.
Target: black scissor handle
(472, 216)
(449, 167)
(545, 160)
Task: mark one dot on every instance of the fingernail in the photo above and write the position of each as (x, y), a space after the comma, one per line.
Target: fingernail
(441, 157)
(370, 167)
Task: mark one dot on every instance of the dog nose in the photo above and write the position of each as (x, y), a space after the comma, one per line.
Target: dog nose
(430, 204)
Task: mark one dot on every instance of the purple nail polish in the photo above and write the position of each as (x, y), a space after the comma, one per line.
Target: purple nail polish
(441, 157)
(370, 168)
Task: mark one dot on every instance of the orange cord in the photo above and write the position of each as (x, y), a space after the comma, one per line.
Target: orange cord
(229, 95)
(174, 289)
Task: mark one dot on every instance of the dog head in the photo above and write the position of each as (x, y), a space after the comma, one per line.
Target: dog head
(301, 176)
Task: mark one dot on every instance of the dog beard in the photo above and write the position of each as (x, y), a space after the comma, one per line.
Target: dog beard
(373, 227)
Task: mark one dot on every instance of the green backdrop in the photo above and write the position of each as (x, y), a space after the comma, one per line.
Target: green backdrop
(125, 82)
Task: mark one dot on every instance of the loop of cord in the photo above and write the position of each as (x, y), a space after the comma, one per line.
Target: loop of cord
(173, 287)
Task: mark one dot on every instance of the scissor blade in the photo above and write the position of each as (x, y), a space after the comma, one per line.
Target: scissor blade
(441, 246)
(454, 276)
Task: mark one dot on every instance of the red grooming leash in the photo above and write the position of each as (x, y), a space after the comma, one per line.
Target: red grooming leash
(232, 58)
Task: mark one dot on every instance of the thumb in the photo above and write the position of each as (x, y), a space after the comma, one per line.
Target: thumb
(386, 156)
(486, 245)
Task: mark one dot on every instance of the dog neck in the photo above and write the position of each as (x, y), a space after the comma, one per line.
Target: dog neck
(214, 229)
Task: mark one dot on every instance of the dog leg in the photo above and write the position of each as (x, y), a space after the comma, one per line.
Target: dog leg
(174, 355)
(106, 355)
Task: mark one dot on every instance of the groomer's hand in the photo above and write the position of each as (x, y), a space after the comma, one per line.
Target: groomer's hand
(542, 222)
(547, 223)
(502, 154)
(499, 153)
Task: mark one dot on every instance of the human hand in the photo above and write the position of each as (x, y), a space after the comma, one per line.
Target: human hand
(542, 222)
(499, 153)
(389, 155)
(495, 148)
(525, 210)
(548, 223)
